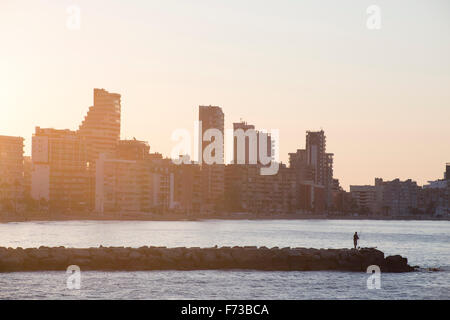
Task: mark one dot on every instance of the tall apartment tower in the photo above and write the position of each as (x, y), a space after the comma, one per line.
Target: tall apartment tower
(249, 137)
(316, 156)
(101, 126)
(100, 130)
(211, 117)
(212, 175)
(321, 161)
(11, 169)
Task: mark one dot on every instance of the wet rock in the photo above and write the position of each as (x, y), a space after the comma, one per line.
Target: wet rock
(396, 263)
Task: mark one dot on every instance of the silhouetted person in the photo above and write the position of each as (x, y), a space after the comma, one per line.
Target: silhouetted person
(355, 239)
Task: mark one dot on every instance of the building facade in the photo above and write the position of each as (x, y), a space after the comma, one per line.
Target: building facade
(101, 126)
(434, 197)
(321, 161)
(313, 168)
(365, 198)
(250, 146)
(59, 169)
(213, 175)
(134, 185)
(187, 188)
(11, 172)
(100, 131)
(249, 191)
(396, 198)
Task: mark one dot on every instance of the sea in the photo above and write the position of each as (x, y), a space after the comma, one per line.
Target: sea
(425, 243)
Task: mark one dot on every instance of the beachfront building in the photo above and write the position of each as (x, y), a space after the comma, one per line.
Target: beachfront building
(213, 175)
(313, 168)
(391, 198)
(63, 161)
(134, 185)
(59, 169)
(11, 172)
(117, 187)
(100, 130)
(365, 197)
(187, 188)
(249, 191)
(313, 171)
(321, 161)
(434, 197)
(343, 203)
(247, 143)
(396, 198)
(101, 126)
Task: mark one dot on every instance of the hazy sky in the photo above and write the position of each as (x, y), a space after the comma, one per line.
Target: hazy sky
(382, 96)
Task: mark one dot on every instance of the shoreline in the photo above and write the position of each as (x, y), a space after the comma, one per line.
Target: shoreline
(7, 218)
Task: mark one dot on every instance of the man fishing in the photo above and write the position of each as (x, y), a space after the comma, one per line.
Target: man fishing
(355, 239)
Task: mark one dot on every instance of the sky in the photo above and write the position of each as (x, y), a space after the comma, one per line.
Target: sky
(382, 96)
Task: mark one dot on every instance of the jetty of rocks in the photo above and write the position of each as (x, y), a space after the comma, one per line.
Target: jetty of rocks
(194, 258)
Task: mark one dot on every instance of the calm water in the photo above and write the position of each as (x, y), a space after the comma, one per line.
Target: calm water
(425, 243)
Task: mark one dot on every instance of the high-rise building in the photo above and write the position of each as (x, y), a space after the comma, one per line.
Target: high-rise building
(315, 153)
(321, 161)
(247, 142)
(213, 175)
(314, 171)
(100, 130)
(101, 126)
(11, 171)
(211, 117)
(59, 169)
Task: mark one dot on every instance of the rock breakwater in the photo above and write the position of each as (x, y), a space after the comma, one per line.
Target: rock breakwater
(217, 258)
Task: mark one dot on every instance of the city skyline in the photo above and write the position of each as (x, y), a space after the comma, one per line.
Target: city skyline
(92, 169)
(284, 158)
(381, 96)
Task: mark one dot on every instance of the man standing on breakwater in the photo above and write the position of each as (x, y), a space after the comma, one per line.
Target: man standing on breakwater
(355, 239)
